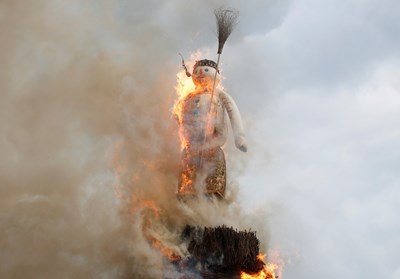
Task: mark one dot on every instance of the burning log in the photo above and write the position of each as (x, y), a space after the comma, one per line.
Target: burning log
(221, 252)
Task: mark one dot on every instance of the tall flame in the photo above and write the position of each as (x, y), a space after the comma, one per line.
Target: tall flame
(183, 88)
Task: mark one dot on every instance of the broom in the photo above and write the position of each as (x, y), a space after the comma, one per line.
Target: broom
(226, 20)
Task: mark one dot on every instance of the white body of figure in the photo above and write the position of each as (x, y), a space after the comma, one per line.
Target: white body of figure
(204, 121)
(204, 126)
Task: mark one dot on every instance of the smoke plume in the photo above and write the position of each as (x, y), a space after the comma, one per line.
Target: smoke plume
(88, 144)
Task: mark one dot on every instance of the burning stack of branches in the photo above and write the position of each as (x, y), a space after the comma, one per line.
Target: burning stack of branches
(221, 252)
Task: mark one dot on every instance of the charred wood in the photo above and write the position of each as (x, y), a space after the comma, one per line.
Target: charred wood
(222, 250)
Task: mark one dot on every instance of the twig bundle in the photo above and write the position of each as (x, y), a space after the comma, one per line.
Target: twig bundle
(223, 250)
(226, 21)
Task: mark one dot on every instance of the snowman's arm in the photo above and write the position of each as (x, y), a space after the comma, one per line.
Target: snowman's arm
(235, 119)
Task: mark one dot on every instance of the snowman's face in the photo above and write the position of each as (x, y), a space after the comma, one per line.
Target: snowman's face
(203, 76)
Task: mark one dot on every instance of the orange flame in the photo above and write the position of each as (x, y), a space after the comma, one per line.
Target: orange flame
(187, 187)
(183, 88)
(146, 228)
(151, 205)
(167, 252)
(270, 270)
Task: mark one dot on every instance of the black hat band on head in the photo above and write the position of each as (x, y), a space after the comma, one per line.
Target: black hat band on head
(205, 62)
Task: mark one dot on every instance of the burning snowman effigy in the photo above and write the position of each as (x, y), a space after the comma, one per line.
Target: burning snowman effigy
(204, 112)
(204, 128)
(202, 116)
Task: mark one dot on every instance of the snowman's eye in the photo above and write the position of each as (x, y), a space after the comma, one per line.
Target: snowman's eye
(206, 70)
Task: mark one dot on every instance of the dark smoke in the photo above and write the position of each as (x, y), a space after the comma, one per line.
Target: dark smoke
(86, 134)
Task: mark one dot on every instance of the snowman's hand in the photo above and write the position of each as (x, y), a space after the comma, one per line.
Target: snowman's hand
(240, 143)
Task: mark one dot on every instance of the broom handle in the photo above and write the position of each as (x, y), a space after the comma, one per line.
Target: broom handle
(209, 110)
(215, 77)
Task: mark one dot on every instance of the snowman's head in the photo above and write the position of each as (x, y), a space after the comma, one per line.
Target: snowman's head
(204, 73)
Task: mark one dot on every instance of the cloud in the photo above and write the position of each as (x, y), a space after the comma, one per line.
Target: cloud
(330, 177)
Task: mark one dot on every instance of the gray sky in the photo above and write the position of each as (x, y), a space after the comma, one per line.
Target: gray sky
(317, 85)
(327, 122)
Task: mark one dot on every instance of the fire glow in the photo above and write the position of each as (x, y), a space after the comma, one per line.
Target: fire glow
(271, 270)
(267, 273)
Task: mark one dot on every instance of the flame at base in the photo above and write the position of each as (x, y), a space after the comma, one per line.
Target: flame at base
(267, 272)
(270, 271)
